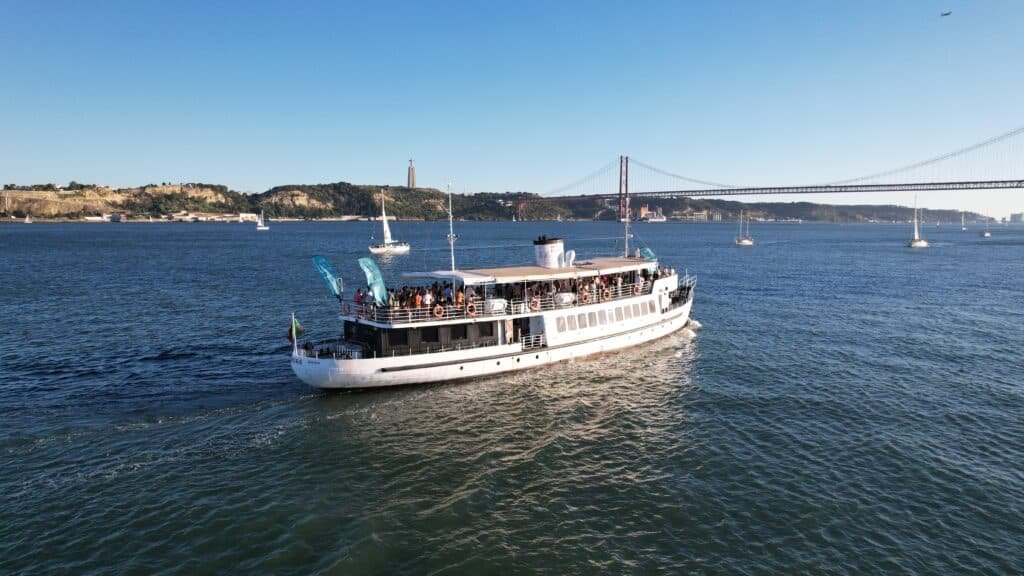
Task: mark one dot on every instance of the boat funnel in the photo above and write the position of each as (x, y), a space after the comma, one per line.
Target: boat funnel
(550, 252)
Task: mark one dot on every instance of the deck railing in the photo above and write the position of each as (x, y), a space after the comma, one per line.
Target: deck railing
(477, 307)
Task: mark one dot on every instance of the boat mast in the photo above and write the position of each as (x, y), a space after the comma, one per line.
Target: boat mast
(451, 229)
(917, 231)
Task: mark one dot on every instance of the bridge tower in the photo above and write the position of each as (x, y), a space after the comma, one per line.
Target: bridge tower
(623, 188)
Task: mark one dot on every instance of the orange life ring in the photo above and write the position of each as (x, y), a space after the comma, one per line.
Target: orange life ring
(346, 309)
(607, 294)
(438, 311)
(535, 304)
(471, 309)
(586, 296)
(636, 290)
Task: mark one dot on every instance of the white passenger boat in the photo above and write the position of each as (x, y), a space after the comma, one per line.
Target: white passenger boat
(390, 245)
(465, 323)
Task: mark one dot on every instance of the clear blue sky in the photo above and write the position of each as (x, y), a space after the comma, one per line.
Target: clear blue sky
(504, 95)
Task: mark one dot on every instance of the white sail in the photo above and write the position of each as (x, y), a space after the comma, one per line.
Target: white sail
(917, 229)
(384, 220)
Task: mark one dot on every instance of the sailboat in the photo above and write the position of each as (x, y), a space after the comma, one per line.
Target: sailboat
(389, 246)
(744, 239)
(986, 233)
(963, 224)
(28, 219)
(917, 241)
(261, 224)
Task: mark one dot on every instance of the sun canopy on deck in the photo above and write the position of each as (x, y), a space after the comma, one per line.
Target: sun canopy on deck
(518, 274)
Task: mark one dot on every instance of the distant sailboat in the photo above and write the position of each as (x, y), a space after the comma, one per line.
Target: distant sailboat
(917, 241)
(28, 219)
(963, 224)
(261, 224)
(986, 233)
(744, 239)
(389, 246)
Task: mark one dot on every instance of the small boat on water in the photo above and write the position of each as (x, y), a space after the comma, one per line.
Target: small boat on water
(917, 241)
(28, 219)
(744, 239)
(986, 233)
(459, 323)
(261, 224)
(963, 223)
(390, 245)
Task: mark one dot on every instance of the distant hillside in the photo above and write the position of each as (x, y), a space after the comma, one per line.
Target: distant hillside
(344, 199)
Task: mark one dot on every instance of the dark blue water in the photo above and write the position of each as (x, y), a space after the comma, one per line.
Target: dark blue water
(851, 406)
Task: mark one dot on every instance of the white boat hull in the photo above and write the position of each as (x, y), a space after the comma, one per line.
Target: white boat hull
(329, 373)
(390, 249)
(918, 244)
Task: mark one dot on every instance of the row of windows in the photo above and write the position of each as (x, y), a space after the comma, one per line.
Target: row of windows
(603, 318)
(400, 337)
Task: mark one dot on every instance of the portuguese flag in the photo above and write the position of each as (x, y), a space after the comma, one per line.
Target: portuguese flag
(295, 330)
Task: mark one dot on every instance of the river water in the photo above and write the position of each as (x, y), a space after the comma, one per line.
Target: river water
(851, 406)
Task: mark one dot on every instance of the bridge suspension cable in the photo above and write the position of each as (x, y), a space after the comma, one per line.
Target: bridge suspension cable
(589, 178)
(936, 159)
(679, 177)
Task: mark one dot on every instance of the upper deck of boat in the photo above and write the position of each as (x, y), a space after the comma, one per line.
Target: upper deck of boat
(517, 274)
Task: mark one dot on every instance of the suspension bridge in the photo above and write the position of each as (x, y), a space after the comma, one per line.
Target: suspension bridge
(992, 164)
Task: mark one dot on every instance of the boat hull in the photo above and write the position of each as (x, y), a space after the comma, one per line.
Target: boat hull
(392, 249)
(328, 373)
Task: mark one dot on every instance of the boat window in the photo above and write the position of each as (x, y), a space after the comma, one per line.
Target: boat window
(618, 314)
(592, 318)
(398, 337)
(561, 323)
(650, 307)
(485, 329)
(429, 334)
(457, 332)
(572, 322)
(602, 318)
(583, 321)
(636, 310)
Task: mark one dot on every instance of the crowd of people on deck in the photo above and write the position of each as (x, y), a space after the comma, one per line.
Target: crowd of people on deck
(446, 295)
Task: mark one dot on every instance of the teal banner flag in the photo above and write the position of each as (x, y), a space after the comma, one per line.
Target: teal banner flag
(374, 279)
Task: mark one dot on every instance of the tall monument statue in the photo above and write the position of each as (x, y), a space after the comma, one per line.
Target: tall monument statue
(410, 180)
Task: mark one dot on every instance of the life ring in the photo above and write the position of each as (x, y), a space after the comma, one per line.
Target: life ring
(636, 290)
(535, 304)
(438, 311)
(607, 294)
(346, 309)
(586, 296)
(471, 309)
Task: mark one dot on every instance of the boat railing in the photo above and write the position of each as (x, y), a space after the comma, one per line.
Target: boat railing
(533, 341)
(494, 307)
(337, 350)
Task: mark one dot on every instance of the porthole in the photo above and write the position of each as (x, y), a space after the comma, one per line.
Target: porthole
(499, 362)
(536, 356)
(461, 367)
(517, 360)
